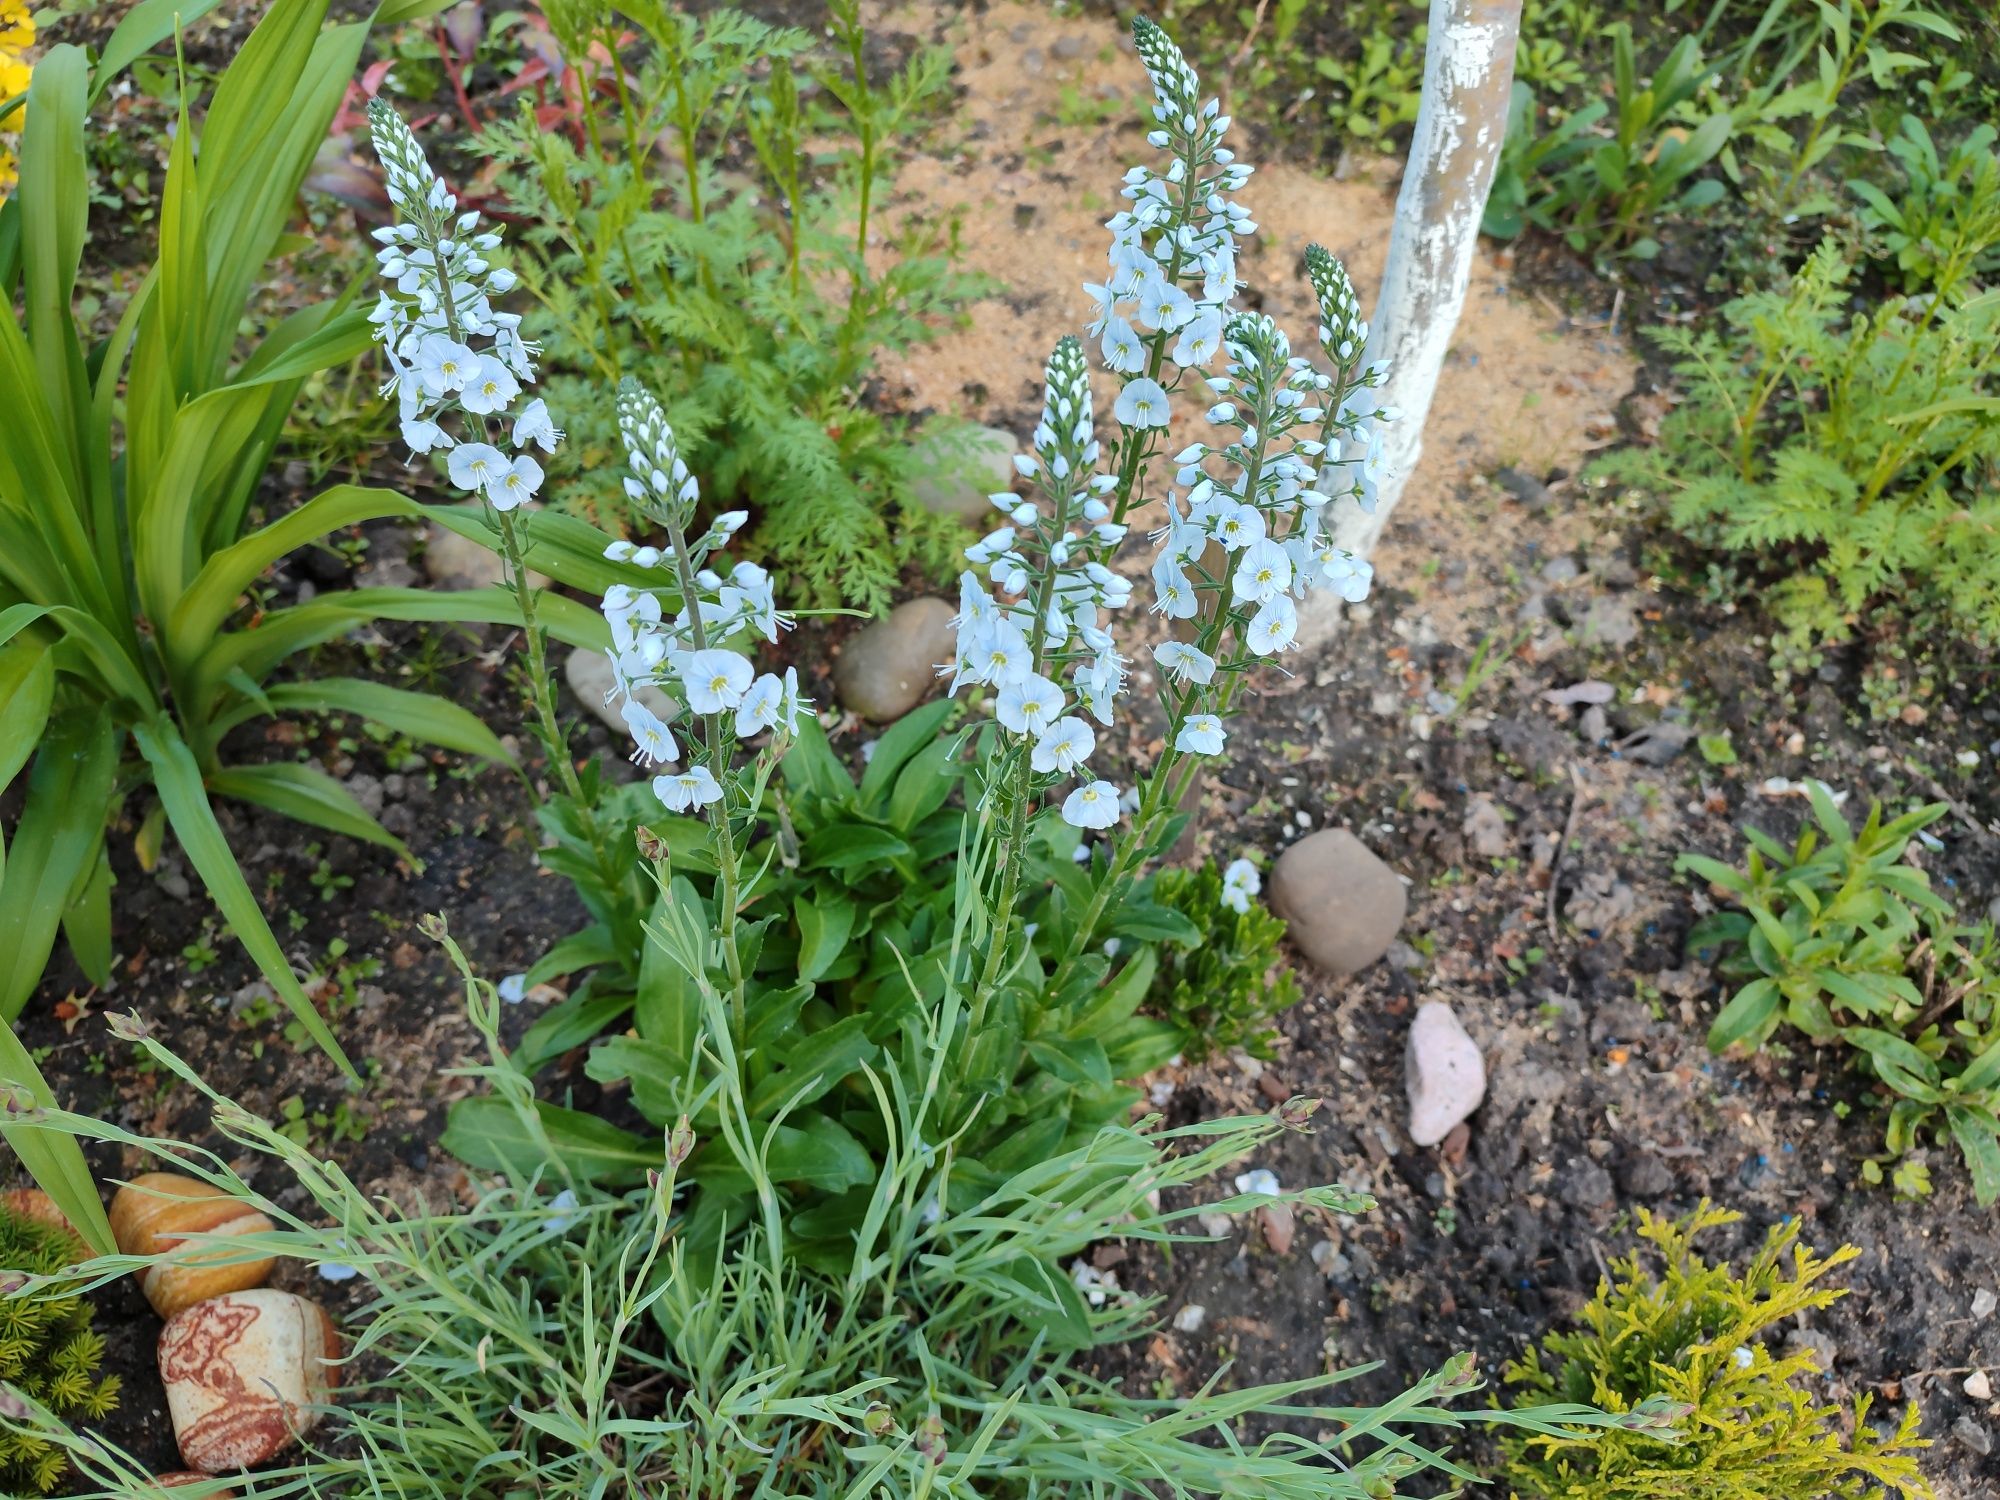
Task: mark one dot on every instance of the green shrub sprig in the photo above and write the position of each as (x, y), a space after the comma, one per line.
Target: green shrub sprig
(1667, 1324)
(48, 1351)
(1849, 455)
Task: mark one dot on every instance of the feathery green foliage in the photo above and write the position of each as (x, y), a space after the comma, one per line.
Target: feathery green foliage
(1222, 990)
(755, 306)
(48, 1351)
(1668, 1325)
(1843, 941)
(1848, 456)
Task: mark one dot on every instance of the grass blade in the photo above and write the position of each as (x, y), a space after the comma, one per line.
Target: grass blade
(87, 923)
(55, 206)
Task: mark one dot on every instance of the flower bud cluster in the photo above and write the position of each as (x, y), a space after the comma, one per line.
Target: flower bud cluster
(1353, 432)
(1038, 636)
(1173, 253)
(457, 364)
(690, 654)
(1244, 541)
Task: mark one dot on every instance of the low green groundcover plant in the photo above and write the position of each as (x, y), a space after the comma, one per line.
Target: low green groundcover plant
(49, 1353)
(1221, 990)
(561, 1339)
(1667, 1324)
(1843, 941)
(1847, 455)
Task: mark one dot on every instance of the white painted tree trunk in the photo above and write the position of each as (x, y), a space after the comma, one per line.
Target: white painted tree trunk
(1468, 75)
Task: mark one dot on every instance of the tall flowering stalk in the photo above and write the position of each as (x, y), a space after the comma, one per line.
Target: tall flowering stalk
(720, 700)
(457, 364)
(1172, 274)
(1245, 534)
(458, 369)
(1040, 644)
(1243, 542)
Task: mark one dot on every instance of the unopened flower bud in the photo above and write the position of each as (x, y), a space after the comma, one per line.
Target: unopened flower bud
(1461, 1373)
(651, 846)
(878, 1420)
(432, 925)
(1295, 1111)
(680, 1144)
(128, 1026)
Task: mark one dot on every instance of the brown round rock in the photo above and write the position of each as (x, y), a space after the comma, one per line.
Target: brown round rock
(246, 1375)
(892, 665)
(183, 1476)
(33, 1203)
(1343, 905)
(155, 1214)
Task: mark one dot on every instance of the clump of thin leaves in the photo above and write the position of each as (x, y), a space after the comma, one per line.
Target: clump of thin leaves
(559, 1339)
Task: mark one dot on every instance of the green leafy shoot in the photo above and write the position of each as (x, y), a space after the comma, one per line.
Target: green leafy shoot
(1223, 989)
(1840, 939)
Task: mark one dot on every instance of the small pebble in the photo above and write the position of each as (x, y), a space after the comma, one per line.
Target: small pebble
(1258, 1180)
(1444, 1073)
(1276, 1220)
(1978, 1387)
(1190, 1318)
(1983, 1303)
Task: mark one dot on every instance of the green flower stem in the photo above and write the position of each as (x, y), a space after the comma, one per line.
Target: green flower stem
(1019, 771)
(1139, 440)
(541, 686)
(726, 857)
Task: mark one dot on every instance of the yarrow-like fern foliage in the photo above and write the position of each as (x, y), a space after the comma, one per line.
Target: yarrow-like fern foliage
(1857, 450)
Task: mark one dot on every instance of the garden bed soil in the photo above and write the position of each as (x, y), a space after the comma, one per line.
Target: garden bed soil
(1538, 844)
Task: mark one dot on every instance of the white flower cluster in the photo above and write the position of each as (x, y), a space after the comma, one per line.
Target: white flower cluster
(1173, 253)
(1050, 567)
(433, 321)
(690, 654)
